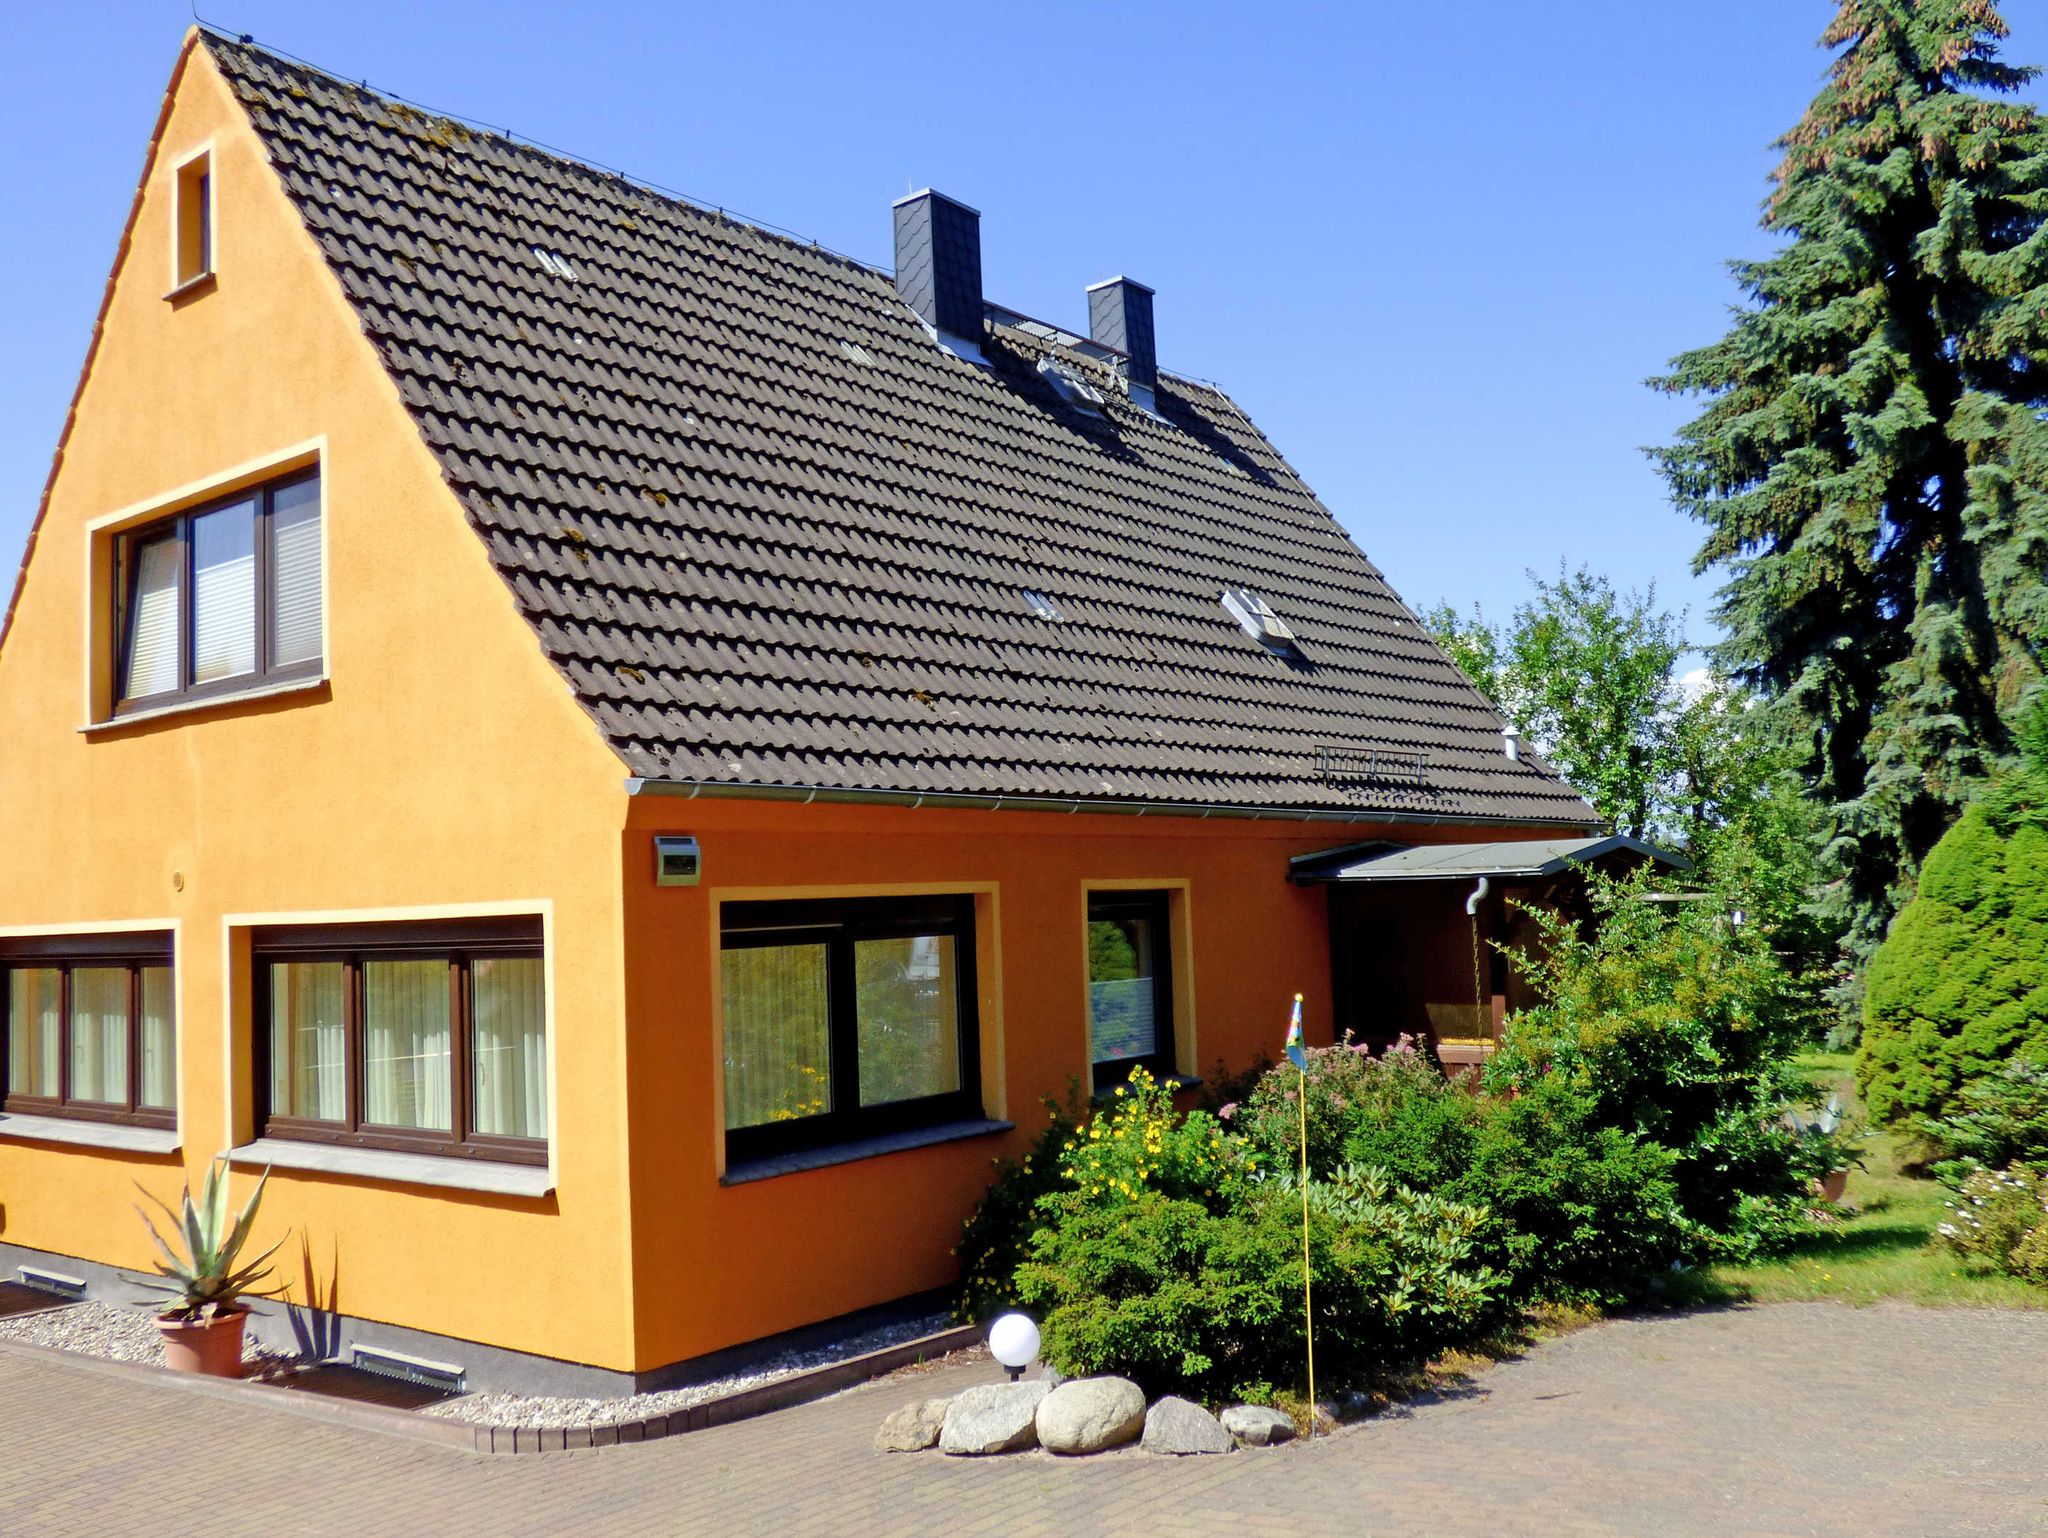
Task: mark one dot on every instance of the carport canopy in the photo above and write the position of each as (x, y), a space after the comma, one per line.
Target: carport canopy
(1505, 859)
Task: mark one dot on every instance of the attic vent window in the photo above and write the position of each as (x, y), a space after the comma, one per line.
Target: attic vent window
(554, 263)
(1068, 384)
(192, 222)
(1258, 619)
(1044, 608)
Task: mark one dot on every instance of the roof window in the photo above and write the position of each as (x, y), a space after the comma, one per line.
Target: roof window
(554, 263)
(853, 352)
(1068, 384)
(1044, 608)
(1258, 619)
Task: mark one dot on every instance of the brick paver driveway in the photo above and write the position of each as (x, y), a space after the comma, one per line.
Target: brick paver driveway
(1807, 1419)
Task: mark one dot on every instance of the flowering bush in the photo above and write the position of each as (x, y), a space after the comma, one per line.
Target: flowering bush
(2001, 1217)
(1394, 1110)
(1139, 1143)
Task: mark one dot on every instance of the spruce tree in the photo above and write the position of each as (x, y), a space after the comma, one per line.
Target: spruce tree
(1870, 463)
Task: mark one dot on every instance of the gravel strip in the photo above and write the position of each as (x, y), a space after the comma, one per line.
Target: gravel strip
(108, 1330)
(532, 1410)
(121, 1334)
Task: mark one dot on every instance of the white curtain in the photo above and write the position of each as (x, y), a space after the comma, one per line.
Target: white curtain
(308, 1040)
(405, 1045)
(778, 1054)
(152, 662)
(159, 1087)
(99, 1034)
(295, 573)
(34, 1002)
(510, 1047)
(224, 593)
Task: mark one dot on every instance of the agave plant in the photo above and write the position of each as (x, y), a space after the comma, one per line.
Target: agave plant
(205, 1281)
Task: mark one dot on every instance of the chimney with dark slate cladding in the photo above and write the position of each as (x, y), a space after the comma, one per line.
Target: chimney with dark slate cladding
(1120, 316)
(938, 267)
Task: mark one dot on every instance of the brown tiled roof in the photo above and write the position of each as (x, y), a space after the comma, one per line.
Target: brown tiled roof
(772, 534)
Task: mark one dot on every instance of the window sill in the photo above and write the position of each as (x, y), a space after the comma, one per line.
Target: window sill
(192, 288)
(90, 1134)
(864, 1148)
(397, 1168)
(210, 702)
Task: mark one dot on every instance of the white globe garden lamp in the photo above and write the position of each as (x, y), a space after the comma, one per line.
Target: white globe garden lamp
(1013, 1341)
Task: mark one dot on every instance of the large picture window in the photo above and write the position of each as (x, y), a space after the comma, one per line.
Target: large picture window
(221, 599)
(847, 1019)
(89, 1028)
(419, 1038)
(1130, 985)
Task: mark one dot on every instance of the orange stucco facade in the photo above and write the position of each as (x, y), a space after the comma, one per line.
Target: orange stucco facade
(441, 766)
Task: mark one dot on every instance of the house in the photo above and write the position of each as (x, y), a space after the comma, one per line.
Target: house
(620, 754)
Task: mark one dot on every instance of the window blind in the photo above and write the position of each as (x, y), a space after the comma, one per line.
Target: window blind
(295, 574)
(224, 593)
(152, 664)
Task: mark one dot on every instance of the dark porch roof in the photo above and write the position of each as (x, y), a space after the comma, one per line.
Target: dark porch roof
(1528, 859)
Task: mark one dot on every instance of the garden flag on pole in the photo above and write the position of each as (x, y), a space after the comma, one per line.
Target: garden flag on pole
(1297, 1054)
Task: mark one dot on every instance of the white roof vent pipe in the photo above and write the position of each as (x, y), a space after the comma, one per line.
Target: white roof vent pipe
(1511, 744)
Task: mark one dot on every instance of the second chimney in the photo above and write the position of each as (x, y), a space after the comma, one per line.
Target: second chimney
(938, 267)
(1120, 316)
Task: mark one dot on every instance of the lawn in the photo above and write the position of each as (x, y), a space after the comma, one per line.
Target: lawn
(1882, 1247)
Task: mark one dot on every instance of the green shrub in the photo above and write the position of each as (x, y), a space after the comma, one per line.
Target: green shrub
(1675, 1025)
(2000, 1217)
(1579, 1212)
(1181, 1297)
(1395, 1111)
(1960, 985)
(997, 1236)
(1998, 1120)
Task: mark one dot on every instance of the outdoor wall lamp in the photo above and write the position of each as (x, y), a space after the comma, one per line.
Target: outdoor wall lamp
(1013, 1341)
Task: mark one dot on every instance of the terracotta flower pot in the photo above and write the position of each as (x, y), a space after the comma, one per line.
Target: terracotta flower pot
(1832, 1185)
(210, 1346)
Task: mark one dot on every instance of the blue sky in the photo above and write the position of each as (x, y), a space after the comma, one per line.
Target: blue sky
(1433, 251)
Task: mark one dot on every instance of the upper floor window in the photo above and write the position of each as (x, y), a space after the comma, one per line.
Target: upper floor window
(89, 1028)
(423, 1038)
(1130, 985)
(847, 1018)
(222, 598)
(192, 235)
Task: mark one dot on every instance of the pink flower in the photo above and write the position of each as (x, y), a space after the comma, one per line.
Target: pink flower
(1227, 1112)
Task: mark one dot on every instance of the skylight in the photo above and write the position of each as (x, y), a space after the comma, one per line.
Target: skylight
(1044, 607)
(1258, 619)
(554, 263)
(853, 352)
(1070, 386)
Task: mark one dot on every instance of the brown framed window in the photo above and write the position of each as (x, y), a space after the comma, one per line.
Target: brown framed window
(846, 1018)
(1130, 985)
(423, 1038)
(90, 1028)
(222, 598)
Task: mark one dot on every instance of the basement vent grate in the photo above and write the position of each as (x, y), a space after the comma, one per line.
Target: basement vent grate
(408, 1369)
(51, 1281)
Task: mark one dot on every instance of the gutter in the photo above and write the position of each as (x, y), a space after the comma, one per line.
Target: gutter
(727, 790)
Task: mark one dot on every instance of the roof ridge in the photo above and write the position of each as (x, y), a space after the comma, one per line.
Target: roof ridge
(218, 40)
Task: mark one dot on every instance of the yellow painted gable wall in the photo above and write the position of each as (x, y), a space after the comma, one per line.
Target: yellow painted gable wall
(445, 763)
